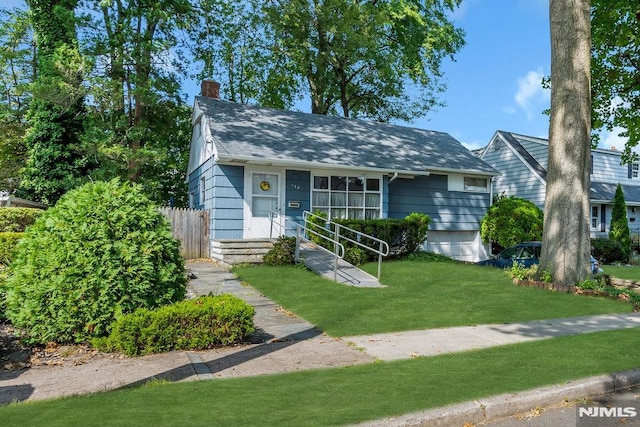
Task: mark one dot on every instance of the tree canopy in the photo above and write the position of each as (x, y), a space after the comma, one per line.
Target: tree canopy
(615, 70)
(103, 87)
(359, 59)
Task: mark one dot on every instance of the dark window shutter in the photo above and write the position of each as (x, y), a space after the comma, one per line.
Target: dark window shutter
(629, 170)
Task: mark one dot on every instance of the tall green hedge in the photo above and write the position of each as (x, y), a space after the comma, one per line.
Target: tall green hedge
(16, 220)
(403, 236)
(102, 251)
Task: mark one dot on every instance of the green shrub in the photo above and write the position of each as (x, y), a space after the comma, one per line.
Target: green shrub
(356, 255)
(404, 236)
(16, 220)
(8, 244)
(282, 253)
(619, 227)
(511, 220)
(520, 272)
(101, 251)
(318, 227)
(608, 251)
(187, 325)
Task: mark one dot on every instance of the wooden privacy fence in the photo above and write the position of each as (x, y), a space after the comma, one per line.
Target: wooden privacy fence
(191, 227)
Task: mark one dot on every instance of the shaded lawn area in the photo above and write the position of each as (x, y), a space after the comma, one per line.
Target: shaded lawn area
(420, 295)
(623, 271)
(344, 395)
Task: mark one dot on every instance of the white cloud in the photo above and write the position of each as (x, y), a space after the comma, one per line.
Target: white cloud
(473, 145)
(461, 11)
(531, 95)
(613, 139)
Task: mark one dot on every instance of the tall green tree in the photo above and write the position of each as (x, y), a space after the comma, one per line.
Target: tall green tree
(17, 72)
(372, 59)
(137, 68)
(565, 242)
(616, 70)
(55, 161)
(619, 227)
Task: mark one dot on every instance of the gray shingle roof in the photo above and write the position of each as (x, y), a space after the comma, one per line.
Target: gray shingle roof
(253, 133)
(603, 191)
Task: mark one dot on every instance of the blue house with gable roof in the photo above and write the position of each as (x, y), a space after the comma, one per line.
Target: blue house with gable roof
(247, 162)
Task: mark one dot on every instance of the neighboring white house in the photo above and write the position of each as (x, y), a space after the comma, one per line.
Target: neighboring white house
(522, 161)
(247, 162)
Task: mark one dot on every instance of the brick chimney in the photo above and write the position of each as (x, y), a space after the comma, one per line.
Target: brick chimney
(210, 89)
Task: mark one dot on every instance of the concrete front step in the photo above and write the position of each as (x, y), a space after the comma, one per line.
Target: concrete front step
(240, 251)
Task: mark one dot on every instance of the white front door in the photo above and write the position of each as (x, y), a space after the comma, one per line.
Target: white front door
(262, 197)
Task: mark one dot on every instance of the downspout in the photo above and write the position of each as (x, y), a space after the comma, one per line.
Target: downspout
(491, 191)
(393, 178)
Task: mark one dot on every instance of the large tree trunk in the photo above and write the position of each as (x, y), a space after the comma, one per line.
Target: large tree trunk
(566, 245)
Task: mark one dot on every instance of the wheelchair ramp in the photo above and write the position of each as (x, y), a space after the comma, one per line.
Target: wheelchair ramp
(323, 263)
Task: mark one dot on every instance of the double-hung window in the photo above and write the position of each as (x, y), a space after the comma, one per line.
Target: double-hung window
(342, 196)
(595, 218)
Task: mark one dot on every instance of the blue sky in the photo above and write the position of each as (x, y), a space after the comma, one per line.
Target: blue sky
(495, 81)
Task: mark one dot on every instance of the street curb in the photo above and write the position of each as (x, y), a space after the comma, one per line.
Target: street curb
(506, 405)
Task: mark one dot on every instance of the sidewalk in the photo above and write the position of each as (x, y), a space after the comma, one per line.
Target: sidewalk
(284, 342)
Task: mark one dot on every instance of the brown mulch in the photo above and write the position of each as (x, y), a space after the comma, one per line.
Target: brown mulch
(15, 355)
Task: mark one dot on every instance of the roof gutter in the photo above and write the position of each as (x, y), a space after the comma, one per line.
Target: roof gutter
(247, 160)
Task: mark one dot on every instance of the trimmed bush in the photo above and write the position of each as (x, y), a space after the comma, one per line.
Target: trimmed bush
(197, 324)
(8, 244)
(404, 236)
(282, 253)
(511, 220)
(102, 251)
(608, 251)
(356, 256)
(16, 220)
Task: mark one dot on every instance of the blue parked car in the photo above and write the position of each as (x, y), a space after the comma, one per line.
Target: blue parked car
(525, 254)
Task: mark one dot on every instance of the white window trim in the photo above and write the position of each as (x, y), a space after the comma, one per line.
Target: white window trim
(456, 183)
(352, 174)
(596, 217)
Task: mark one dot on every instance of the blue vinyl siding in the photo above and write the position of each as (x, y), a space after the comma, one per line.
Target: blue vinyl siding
(449, 210)
(298, 189)
(227, 202)
(516, 179)
(204, 170)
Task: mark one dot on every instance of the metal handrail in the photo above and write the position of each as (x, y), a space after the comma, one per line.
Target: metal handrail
(383, 246)
(302, 230)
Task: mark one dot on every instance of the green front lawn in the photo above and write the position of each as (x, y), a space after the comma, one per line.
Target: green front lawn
(343, 395)
(623, 271)
(420, 295)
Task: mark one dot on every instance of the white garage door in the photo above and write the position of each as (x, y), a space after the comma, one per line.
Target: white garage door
(460, 245)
